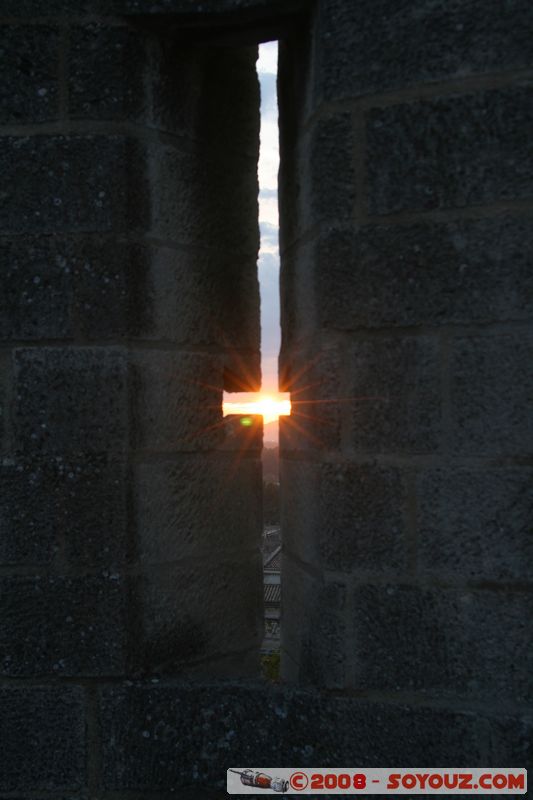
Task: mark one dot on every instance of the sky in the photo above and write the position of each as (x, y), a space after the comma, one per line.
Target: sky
(268, 216)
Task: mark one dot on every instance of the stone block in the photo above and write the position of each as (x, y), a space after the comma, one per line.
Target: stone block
(177, 405)
(5, 400)
(319, 187)
(491, 387)
(61, 626)
(450, 152)
(475, 524)
(200, 297)
(195, 611)
(329, 162)
(189, 15)
(159, 738)
(313, 379)
(106, 70)
(362, 525)
(59, 505)
(242, 370)
(301, 508)
(393, 398)
(57, 288)
(166, 737)
(318, 183)
(344, 517)
(243, 435)
(212, 79)
(314, 628)
(298, 304)
(372, 47)
(214, 10)
(29, 82)
(472, 271)
(460, 643)
(198, 507)
(71, 184)
(200, 199)
(107, 281)
(346, 730)
(27, 529)
(70, 400)
(34, 293)
(43, 739)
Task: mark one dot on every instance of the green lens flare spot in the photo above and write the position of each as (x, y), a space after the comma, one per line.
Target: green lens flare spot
(247, 422)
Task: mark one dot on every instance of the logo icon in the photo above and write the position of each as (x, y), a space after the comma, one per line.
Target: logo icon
(260, 780)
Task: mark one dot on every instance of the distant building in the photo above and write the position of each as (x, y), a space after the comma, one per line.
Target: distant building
(272, 597)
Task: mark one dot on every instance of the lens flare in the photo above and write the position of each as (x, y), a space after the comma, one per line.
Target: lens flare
(270, 407)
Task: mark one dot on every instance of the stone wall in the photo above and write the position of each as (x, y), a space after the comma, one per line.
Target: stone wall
(406, 313)
(130, 514)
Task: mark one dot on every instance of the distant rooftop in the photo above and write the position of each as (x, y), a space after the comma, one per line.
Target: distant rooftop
(272, 562)
(272, 593)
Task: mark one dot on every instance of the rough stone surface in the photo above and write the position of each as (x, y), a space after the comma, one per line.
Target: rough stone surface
(217, 611)
(394, 395)
(5, 386)
(300, 508)
(298, 304)
(450, 152)
(331, 169)
(107, 281)
(34, 299)
(345, 517)
(164, 737)
(315, 640)
(176, 402)
(381, 45)
(192, 281)
(465, 272)
(63, 626)
(59, 506)
(242, 439)
(106, 73)
(70, 400)
(71, 183)
(196, 106)
(29, 82)
(476, 524)
(63, 287)
(198, 507)
(296, 64)
(43, 739)
(203, 199)
(188, 12)
(213, 7)
(362, 525)
(315, 420)
(443, 642)
(492, 383)
(321, 185)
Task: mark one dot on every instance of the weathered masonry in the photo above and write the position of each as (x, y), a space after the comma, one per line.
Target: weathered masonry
(130, 515)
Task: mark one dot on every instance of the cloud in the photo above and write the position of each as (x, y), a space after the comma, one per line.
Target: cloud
(269, 99)
(268, 263)
(268, 230)
(268, 58)
(269, 237)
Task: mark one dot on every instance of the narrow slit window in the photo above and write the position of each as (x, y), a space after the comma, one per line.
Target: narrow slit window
(269, 402)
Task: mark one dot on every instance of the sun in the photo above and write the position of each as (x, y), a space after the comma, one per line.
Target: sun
(270, 406)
